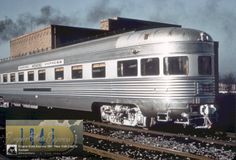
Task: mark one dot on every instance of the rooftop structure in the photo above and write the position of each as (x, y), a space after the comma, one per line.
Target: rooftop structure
(55, 36)
(48, 38)
(127, 24)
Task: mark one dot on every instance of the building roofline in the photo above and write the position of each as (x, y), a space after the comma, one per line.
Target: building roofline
(53, 25)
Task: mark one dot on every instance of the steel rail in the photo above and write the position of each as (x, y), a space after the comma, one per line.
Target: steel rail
(204, 140)
(105, 153)
(147, 147)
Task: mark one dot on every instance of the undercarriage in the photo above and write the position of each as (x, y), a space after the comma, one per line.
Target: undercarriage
(123, 115)
(202, 118)
(132, 116)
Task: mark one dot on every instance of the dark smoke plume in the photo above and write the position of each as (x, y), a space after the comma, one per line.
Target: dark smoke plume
(50, 15)
(8, 28)
(26, 22)
(102, 10)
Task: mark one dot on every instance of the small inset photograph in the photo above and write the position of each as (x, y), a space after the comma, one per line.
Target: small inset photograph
(11, 149)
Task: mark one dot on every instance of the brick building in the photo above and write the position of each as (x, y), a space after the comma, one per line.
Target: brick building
(48, 38)
(33, 42)
(55, 36)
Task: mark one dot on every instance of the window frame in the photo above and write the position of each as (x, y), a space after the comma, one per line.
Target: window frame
(204, 67)
(184, 71)
(43, 71)
(57, 77)
(19, 74)
(102, 67)
(121, 74)
(142, 66)
(29, 73)
(12, 77)
(79, 69)
(5, 78)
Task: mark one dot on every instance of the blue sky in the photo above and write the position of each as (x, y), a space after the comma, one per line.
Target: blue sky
(218, 18)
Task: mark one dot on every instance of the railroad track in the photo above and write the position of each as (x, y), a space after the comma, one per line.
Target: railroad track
(231, 135)
(131, 146)
(155, 143)
(106, 154)
(206, 140)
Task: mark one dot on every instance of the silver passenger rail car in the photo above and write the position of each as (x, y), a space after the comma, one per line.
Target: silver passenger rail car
(137, 78)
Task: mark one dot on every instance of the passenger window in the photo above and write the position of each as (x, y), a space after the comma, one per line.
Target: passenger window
(21, 76)
(98, 70)
(127, 68)
(13, 77)
(76, 72)
(31, 76)
(176, 65)
(150, 66)
(204, 65)
(59, 73)
(5, 78)
(42, 75)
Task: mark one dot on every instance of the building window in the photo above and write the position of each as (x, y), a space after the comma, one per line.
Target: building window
(204, 65)
(21, 76)
(13, 77)
(59, 73)
(31, 76)
(176, 65)
(150, 66)
(127, 68)
(76, 72)
(146, 36)
(42, 75)
(5, 78)
(98, 70)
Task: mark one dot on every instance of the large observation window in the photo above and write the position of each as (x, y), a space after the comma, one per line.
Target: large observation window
(98, 70)
(204, 65)
(31, 76)
(150, 66)
(176, 65)
(21, 76)
(127, 68)
(76, 72)
(42, 75)
(59, 73)
(13, 77)
(5, 78)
